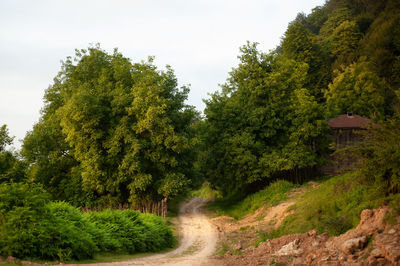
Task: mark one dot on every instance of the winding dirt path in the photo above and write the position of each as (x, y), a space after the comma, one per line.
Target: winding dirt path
(197, 243)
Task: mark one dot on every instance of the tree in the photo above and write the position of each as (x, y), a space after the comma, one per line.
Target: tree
(12, 169)
(301, 45)
(345, 39)
(357, 89)
(5, 139)
(252, 126)
(121, 129)
(379, 155)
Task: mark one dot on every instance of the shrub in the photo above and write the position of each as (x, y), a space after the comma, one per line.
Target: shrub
(22, 208)
(157, 235)
(31, 226)
(72, 234)
(129, 231)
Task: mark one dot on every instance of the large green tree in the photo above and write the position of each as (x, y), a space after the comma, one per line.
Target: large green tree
(261, 123)
(119, 130)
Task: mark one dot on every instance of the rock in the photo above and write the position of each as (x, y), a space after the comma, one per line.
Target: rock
(371, 221)
(290, 249)
(354, 244)
(265, 245)
(365, 214)
(376, 253)
(392, 253)
(388, 244)
(315, 244)
(310, 258)
(323, 236)
(251, 249)
(312, 233)
(237, 246)
(392, 231)
(297, 261)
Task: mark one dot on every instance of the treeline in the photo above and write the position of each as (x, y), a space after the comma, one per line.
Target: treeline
(270, 117)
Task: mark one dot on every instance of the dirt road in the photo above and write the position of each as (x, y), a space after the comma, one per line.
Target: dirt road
(197, 243)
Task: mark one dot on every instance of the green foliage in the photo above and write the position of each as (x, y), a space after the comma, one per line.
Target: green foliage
(52, 162)
(130, 232)
(5, 138)
(31, 226)
(205, 191)
(356, 89)
(113, 131)
(12, 168)
(345, 40)
(332, 207)
(379, 155)
(74, 234)
(271, 195)
(263, 122)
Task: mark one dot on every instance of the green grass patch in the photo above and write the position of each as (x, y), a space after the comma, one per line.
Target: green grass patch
(271, 195)
(332, 207)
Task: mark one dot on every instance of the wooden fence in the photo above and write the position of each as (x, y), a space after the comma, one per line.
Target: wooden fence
(158, 208)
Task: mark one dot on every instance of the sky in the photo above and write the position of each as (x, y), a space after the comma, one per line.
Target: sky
(199, 39)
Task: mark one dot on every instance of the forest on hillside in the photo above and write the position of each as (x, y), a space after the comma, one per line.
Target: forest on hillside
(116, 133)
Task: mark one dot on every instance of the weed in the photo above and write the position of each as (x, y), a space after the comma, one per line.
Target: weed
(244, 228)
(223, 248)
(236, 252)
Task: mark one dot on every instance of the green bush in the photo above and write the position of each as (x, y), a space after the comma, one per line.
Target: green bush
(22, 208)
(72, 234)
(157, 235)
(129, 231)
(31, 226)
(123, 230)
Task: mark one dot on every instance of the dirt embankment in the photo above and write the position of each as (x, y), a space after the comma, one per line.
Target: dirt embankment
(372, 242)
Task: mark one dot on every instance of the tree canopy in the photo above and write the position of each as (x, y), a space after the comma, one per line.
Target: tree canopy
(119, 131)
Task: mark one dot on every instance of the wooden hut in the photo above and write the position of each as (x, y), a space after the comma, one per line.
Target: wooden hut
(345, 129)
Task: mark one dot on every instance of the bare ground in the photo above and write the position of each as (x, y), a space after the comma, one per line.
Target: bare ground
(197, 243)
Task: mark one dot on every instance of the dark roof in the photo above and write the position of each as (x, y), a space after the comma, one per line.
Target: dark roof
(349, 121)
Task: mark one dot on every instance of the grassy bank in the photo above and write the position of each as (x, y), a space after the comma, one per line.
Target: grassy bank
(332, 207)
(271, 195)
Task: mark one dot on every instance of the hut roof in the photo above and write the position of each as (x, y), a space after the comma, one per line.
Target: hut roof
(349, 121)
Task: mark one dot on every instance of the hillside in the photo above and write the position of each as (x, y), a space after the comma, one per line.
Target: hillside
(325, 222)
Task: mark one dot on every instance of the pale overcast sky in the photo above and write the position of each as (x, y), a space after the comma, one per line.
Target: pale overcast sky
(199, 39)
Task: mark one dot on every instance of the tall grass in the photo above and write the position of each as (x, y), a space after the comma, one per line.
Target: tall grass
(271, 195)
